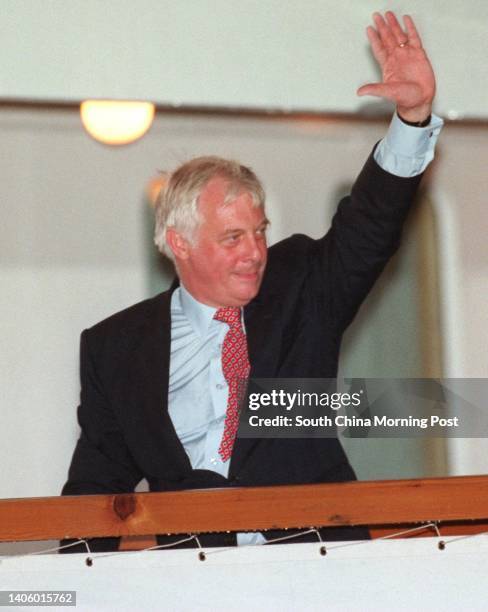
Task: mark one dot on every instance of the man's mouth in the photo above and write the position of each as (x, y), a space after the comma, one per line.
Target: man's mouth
(251, 276)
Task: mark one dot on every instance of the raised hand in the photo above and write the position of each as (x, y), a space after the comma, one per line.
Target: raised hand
(408, 78)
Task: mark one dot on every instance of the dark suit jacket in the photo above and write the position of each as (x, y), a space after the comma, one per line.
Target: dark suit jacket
(310, 292)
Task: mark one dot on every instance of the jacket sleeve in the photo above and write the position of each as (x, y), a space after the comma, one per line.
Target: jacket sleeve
(365, 233)
(101, 461)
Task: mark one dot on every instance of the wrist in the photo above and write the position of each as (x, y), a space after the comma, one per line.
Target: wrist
(419, 117)
(419, 124)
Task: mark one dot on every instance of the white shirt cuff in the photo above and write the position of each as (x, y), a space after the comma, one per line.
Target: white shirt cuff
(406, 150)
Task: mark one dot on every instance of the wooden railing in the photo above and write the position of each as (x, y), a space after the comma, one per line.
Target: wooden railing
(456, 505)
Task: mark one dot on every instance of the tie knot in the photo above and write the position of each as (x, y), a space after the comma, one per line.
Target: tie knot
(229, 315)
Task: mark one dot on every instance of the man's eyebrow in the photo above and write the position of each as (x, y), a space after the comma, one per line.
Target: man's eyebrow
(264, 224)
(238, 230)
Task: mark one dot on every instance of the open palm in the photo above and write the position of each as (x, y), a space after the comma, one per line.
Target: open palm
(408, 78)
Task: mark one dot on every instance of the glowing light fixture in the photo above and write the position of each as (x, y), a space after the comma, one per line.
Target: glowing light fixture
(116, 122)
(153, 188)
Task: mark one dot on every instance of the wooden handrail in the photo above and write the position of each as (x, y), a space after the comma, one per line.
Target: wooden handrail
(373, 503)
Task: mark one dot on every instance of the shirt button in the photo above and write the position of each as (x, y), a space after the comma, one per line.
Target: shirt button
(213, 461)
(220, 386)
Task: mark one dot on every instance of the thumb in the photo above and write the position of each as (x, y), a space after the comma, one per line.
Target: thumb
(380, 90)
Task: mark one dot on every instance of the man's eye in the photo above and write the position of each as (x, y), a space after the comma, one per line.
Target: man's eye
(232, 238)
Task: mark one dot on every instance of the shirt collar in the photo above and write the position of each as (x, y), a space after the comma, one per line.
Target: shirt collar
(199, 315)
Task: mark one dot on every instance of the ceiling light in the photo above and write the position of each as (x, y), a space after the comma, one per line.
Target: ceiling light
(116, 122)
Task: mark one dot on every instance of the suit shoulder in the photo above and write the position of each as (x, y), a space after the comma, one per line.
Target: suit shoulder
(289, 262)
(291, 253)
(291, 248)
(130, 317)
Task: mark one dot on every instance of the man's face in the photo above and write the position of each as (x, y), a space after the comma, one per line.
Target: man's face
(225, 266)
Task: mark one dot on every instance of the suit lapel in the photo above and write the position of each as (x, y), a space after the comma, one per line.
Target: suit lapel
(262, 318)
(263, 328)
(151, 372)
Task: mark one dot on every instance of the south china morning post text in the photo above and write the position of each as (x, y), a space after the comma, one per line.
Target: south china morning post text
(302, 408)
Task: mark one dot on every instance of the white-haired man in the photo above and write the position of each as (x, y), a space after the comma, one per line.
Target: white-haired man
(158, 397)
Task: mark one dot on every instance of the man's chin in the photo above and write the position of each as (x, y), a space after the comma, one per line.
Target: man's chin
(246, 291)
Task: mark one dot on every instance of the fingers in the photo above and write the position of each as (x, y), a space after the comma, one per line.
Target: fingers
(398, 33)
(385, 32)
(413, 35)
(376, 45)
(390, 33)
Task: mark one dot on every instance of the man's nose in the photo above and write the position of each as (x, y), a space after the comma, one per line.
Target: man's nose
(253, 248)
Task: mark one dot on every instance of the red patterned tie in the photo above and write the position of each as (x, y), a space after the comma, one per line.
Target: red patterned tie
(235, 366)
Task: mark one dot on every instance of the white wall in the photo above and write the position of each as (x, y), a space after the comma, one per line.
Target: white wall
(304, 54)
(459, 192)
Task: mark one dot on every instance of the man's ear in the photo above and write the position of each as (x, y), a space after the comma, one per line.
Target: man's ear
(177, 243)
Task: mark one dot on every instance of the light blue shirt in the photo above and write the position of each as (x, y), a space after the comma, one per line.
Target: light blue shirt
(198, 392)
(197, 399)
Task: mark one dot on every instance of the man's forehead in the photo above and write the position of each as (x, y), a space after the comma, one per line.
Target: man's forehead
(219, 210)
(215, 191)
(228, 204)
